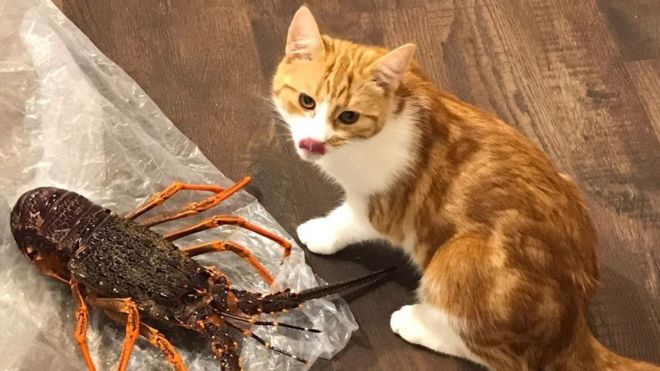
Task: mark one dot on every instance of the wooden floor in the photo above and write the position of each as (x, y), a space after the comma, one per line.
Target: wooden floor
(582, 78)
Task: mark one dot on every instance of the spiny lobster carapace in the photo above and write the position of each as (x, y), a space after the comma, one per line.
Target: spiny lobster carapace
(141, 278)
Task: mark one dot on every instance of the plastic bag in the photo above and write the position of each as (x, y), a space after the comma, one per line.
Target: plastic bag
(71, 118)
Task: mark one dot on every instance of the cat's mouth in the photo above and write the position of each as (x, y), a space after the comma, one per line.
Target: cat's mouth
(311, 149)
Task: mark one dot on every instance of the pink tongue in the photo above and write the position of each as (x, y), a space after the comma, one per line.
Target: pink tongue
(313, 146)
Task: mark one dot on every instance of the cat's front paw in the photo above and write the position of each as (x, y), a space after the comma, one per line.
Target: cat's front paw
(319, 235)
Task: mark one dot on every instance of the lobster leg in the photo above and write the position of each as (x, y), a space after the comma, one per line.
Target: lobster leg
(190, 209)
(194, 208)
(156, 339)
(128, 307)
(159, 340)
(169, 191)
(82, 319)
(219, 246)
(219, 220)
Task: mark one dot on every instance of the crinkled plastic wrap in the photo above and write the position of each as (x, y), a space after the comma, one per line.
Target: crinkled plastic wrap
(71, 118)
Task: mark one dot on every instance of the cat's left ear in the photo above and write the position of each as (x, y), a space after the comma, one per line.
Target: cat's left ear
(304, 38)
(390, 68)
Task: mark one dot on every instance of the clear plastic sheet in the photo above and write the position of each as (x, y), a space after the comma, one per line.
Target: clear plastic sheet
(71, 118)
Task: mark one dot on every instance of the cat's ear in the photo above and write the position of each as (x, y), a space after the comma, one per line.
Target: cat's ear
(391, 67)
(304, 38)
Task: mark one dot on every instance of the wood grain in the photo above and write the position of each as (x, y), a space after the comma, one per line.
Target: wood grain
(634, 24)
(582, 79)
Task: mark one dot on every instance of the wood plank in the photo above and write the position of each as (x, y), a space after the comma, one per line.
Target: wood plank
(645, 76)
(635, 25)
(191, 64)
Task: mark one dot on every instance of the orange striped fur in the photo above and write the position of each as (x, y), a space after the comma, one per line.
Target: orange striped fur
(504, 241)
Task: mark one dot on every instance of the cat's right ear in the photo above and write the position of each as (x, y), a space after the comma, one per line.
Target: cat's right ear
(304, 39)
(390, 68)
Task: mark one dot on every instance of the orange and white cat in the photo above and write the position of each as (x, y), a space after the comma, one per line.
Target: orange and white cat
(504, 241)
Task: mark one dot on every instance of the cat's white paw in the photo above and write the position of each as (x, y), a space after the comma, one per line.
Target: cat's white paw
(319, 235)
(405, 324)
(430, 327)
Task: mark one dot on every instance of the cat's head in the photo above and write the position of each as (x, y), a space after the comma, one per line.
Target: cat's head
(331, 92)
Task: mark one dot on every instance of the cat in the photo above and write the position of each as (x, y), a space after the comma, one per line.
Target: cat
(504, 241)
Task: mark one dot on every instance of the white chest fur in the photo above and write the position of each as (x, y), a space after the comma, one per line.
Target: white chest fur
(371, 166)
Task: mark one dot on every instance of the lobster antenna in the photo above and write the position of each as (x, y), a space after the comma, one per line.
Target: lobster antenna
(267, 323)
(251, 303)
(328, 289)
(265, 343)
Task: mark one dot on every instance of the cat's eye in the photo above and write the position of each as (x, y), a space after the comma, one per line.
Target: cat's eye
(306, 101)
(348, 117)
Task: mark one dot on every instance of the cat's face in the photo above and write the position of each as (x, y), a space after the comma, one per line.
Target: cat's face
(332, 92)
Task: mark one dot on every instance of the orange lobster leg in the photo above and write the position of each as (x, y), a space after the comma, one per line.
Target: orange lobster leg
(156, 339)
(160, 197)
(220, 246)
(82, 319)
(128, 307)
(219, 220)
(194, 208)
(159, 341)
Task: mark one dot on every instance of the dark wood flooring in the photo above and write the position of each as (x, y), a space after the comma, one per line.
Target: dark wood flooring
(582, 78)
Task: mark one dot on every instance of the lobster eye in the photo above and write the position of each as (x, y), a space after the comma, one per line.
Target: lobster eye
(306, 101)
(348, 117)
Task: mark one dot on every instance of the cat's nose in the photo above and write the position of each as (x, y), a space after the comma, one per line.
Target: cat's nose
(312, 145)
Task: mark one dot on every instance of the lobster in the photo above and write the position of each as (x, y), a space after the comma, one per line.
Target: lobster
(140, 278)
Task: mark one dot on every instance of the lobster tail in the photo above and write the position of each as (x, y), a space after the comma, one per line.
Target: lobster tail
(251, 303)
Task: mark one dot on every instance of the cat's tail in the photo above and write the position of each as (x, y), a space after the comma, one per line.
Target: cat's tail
(590, 355)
